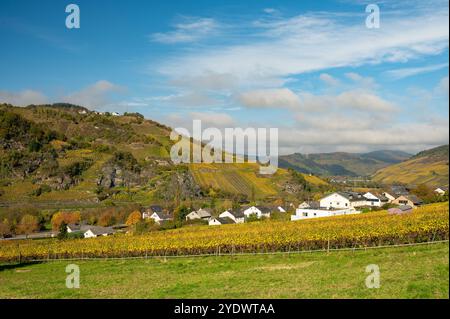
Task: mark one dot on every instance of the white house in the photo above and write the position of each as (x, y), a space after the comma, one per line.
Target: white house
(96, 231)
(237, 216)
(160, 217)
(441, 190)
(258, 211)
(375, 200)
(306, 213)
(343, 200)
(389, 197)
(220, 221)
(115, 114)
(150, 210)
(202, 213)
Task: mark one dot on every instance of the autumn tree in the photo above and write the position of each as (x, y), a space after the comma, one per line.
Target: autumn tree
(27, 225)
(133, 218)
(66, 217)
(5, 228)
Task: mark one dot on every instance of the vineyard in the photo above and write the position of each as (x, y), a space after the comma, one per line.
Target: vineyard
(430, 223)
(242, 178)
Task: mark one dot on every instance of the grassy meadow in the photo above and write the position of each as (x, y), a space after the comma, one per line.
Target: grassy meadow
(405, 272)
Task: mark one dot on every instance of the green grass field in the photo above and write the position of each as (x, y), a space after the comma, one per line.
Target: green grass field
(406, 272)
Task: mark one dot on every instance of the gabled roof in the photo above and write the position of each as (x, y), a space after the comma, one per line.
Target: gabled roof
(204, 212)
(235, 213)
(99, 230)
(399, 190)
(225, 220)
(264, 209)
(156, 208)
(162, 215)
(352, 196)
(414, 199)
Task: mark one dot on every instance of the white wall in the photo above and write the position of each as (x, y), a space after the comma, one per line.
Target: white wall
(304, 213)
(229, 215)
(335, 201)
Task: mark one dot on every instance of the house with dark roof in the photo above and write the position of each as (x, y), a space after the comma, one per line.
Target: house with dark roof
(258, 211)
(410, 200)
(97, 231)
(220, 221)
(149, 211)
(343, 200)
(202, 213)
(236, 215)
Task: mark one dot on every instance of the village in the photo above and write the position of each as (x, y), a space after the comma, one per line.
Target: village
(397, 201)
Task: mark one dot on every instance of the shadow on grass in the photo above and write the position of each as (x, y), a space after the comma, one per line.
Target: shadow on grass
(18, 265)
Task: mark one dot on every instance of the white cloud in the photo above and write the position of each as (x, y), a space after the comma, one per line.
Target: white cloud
(307, 43)
(192, 29)
(362, 100)
(23, 98)
(407, 72)
(328, 79)
(366, 82)
(95, 95)
(443, 86)
(269, 98)
(359, 100)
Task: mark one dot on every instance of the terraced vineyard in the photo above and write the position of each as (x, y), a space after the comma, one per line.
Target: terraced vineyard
(429, 223)
(242, 178)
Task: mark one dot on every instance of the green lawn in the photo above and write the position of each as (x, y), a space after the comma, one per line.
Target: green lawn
(408, 272)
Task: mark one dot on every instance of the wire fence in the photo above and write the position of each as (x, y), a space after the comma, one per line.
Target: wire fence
(229, 254)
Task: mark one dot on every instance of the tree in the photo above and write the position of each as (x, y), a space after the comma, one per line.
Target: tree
(180, 213)
(133, 218)
(62, 231)
(27, 225)
(67, 217)
(5, 228)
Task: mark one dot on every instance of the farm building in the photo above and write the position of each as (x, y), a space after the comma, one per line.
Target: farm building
(258, 211)
(410, 200)
(220, 221)
(149, 211)
(202, 213)
(237, 216)
(343, 200)
(96, 231)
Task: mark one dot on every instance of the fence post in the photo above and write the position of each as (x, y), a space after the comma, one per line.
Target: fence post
(328, 246)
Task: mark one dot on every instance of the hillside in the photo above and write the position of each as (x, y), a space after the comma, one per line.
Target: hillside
(429, 167)
(341, 163)
(64, 155)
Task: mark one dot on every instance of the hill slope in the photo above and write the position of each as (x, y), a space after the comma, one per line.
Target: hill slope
(341, 163)
(64, 155)
(429, 167)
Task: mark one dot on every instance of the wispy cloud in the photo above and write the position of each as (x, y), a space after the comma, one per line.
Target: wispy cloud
(313, 42)
(95, 95)
(407, 72)
(23, 98)
(190, 30)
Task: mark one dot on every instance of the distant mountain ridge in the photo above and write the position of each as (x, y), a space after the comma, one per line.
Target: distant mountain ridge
(343, 163)
(427, 167)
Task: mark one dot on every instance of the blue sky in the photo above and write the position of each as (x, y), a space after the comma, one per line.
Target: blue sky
(311, 68)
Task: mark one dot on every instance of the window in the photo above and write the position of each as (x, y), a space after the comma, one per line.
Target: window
(305, 214)
(315, 214)
(346, 204)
